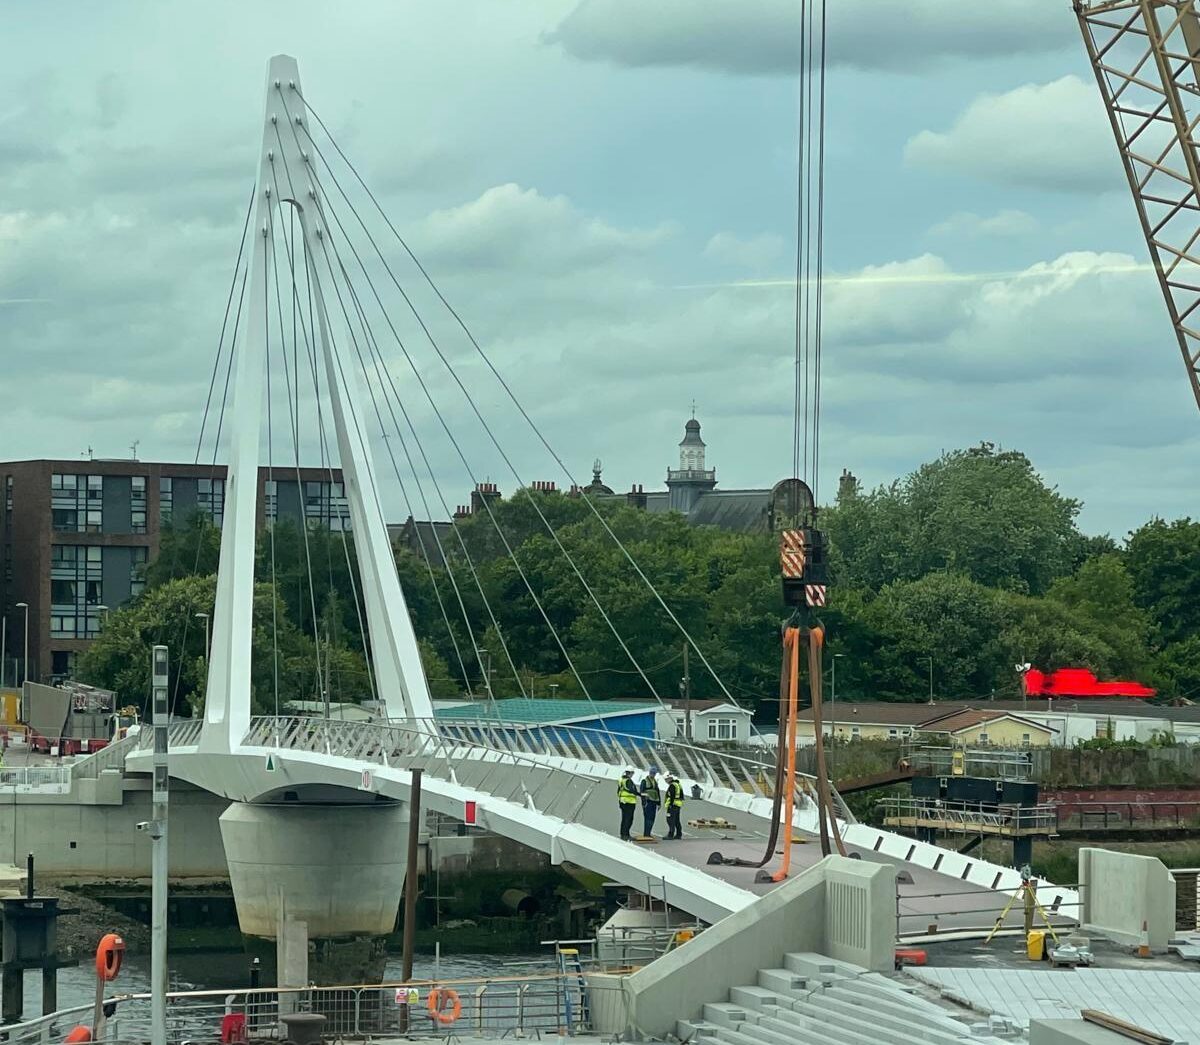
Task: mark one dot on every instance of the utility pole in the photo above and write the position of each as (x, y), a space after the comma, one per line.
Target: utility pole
(930, 659)
(3, 649)
(687, 697)
(160, 675)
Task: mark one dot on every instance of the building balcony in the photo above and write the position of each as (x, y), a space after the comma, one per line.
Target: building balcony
(691, 475)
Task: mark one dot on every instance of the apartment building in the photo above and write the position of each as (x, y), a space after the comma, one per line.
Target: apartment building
(76, 535)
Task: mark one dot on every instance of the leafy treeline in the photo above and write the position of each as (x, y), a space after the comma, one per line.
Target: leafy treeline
(971, 560)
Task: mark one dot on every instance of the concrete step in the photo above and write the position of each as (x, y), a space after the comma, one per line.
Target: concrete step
(868, 1028)
(781, 980)
(691, 1030)
(819, 966)
(770, 1032)
(754, 998)
(743, 1036)
(805, 1029)
(896, 1005)
(724, 1014)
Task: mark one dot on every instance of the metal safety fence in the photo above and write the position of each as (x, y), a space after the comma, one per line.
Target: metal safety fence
(557, 1003)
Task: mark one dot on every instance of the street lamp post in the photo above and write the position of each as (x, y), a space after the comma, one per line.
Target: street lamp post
(3, 649)
(25, 656)
(206, 635)
(930, 659)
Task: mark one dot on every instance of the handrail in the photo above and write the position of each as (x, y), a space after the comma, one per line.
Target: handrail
(714, 766)
(383, 743)
(111, 756)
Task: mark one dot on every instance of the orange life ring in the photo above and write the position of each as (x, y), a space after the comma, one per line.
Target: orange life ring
(79, 1034)
(444, 1005)
(108, 956)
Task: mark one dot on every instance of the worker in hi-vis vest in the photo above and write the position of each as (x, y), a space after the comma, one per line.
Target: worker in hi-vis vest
(627, 800)
(651, 801)
(674, 808)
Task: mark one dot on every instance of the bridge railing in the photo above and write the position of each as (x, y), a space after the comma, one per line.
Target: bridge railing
(497, 1007)
(469, 752)
(538, 785)
(708, 766)
(111, 756)
(36, 779)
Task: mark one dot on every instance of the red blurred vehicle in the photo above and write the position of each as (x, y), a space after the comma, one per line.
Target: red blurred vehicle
(1080, 683)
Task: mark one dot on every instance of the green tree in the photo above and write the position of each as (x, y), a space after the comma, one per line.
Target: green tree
(982, 513)
(283, 661)
(187, 548)
(1163, 560)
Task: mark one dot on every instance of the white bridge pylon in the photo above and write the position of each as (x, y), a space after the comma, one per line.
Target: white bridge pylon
(286, 186)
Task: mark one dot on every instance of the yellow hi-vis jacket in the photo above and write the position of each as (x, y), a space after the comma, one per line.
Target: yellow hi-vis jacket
(674, 794)
(626, 792)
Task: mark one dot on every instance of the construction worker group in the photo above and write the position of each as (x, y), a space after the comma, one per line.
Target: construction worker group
(652, 798)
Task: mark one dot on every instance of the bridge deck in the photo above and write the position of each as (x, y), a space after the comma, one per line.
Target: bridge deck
(565, 806)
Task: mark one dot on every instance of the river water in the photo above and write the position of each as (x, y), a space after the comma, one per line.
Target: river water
(198, 972)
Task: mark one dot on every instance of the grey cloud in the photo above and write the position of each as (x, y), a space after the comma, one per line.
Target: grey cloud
(1051, 136)
(761, 37)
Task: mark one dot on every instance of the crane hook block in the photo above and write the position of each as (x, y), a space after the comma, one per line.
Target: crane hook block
(803, 566)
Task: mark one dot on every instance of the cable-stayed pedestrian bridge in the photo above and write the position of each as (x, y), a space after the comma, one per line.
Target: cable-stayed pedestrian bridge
(552, 789)
(322, 315)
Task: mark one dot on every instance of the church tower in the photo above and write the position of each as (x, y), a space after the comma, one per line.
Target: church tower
(688, 483)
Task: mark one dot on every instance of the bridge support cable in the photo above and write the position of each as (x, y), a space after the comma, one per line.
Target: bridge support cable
(381, 374)
(299, 329)
(293, 394)
(236, 286)
(450, 436)
(403, 487)
(455, 443)
(491, 367)
(322, 195)
(392, 396)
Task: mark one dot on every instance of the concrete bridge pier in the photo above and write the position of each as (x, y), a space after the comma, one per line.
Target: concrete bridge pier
(335, 868)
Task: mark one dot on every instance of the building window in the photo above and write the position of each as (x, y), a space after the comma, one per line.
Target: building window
(75, 506)
(76, 581)
(893, 732)
(166, 500)
(855, 731)
(137, 504)
(722, 729)
(325, 505)
(137, 571)
(1025, 739)
(983, 738)
(210, 499)
(271, 499)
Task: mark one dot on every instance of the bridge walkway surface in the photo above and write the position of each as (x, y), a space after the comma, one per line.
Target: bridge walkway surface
(557, 795)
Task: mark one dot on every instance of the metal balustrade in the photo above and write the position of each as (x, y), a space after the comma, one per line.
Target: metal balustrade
(112, 756)
(469, 754)
(557, 1003)
(33, 779)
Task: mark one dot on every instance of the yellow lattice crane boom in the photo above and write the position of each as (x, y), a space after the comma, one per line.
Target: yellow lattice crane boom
(1146, 57)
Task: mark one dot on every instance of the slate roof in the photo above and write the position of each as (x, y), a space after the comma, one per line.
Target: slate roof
(415, 533)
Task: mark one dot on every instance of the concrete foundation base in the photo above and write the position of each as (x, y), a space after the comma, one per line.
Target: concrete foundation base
(337, 868)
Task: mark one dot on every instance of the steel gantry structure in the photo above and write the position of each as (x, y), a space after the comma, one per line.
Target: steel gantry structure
(1146, 57)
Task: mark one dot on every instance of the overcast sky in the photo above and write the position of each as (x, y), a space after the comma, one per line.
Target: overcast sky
(606, 190)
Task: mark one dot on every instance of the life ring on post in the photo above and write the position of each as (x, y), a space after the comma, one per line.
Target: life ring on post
(79, 1034)
(108, 956)
(444, 1005)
